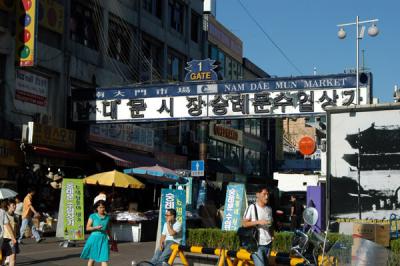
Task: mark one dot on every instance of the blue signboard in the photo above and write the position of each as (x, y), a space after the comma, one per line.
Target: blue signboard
(217, 87)
(197, 168)
(200, 70)
(234, 207)
(174, 199)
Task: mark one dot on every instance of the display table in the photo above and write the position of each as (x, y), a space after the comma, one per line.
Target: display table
(134, 232)
(126, 232)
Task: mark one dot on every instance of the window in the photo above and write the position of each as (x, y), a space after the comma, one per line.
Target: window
(221, 59)
(253, 127)
(119, 39)
(176, 13)
(195, 27)
(175, 67)
(152, 51)
(153, 7)
(83, 23)
(213, 52)
(228, 68)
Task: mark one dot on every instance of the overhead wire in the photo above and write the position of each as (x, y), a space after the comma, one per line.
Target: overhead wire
(270, 38)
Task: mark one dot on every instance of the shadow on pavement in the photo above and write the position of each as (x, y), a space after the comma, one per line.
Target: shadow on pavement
(52, 259)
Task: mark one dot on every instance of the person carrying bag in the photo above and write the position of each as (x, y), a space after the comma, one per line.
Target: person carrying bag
(258, 217)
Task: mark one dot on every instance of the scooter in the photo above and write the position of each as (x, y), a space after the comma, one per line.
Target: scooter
(309, 244)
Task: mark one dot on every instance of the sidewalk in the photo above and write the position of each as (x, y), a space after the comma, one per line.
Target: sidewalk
(50, 253)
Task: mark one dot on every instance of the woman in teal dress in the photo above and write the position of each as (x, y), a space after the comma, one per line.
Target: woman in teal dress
(96, 248)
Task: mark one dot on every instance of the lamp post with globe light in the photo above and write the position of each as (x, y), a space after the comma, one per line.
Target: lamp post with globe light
(372, 31)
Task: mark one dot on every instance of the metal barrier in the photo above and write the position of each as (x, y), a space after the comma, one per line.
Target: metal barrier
(240, 257)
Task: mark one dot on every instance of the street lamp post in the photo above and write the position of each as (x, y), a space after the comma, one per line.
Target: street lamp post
(372, 31)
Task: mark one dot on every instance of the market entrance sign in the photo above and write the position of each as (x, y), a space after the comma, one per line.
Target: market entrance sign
(218, 99)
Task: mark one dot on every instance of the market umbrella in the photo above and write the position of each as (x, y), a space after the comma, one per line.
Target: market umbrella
(6, 193)
(115, 179)
(155, 173)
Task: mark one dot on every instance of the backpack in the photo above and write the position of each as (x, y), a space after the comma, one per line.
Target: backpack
(249, 236)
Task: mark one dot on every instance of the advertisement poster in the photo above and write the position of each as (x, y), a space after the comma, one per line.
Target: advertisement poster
(31, 92)
(174, 199)
(234, 207)
(364, 152)
(72, 198)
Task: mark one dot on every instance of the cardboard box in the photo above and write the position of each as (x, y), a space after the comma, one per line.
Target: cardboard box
(379, 233)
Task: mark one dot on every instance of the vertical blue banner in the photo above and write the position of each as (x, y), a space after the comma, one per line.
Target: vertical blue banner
(174, 199)
(234, 207)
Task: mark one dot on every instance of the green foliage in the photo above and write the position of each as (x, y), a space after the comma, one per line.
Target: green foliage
(212, 238)
(282, 241)
(395, 246)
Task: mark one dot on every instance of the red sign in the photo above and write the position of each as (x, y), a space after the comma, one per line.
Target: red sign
(306, 146)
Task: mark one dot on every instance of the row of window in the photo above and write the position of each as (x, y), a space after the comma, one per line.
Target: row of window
(229, 68)
(252, 126)
(231, 155)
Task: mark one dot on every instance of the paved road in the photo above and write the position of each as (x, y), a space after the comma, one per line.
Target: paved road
(51, 254)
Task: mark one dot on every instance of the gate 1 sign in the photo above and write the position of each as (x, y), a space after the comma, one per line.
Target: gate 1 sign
(174, 199)
(233, 207)
(72, 193)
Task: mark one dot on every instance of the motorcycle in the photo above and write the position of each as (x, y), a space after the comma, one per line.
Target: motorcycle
(309, 245)
(314, 247)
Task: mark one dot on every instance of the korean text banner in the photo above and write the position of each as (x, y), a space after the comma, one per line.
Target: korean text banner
(174, 199)
(234, 207)
(218, 100)
(26, 29)
(72, 193)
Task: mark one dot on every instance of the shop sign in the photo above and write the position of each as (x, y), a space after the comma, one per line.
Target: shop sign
(38, 134)
(51, 15)
(26, 31)
(123, 135)
(72, 193)
(31, 92)
(218, 99)
(226, 134)
(10, 154)
(201, 70)
(174, 199)
(234, 207)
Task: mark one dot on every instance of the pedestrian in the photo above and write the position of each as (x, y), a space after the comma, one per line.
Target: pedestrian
(96, 247)
(28, 212)
(18, 211)
(295, 213)
(260, 216)
(171, 234)
(10, 247)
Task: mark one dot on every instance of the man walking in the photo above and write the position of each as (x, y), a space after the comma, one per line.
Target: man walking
(260, 216)
(295, 214)
(171, 233)
(28, 211)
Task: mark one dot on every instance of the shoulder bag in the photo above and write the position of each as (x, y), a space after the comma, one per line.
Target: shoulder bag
(248, 236)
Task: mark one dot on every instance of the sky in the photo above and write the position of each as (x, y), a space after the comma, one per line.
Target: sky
(306, 31)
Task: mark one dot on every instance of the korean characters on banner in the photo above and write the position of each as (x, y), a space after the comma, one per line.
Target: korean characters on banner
(72, 193)
(174, 199)
(214, 106)
(234, 207)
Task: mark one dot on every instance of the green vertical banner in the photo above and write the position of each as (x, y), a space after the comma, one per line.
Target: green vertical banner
(72, 195)
(234, 207)
(174, 199)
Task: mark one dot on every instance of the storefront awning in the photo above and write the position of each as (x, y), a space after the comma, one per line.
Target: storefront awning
(127, 159)
(70, 155)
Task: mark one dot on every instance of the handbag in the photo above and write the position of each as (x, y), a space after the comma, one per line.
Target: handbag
(114, 246)
(248, 236)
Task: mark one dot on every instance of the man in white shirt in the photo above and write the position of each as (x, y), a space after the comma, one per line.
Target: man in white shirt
(171, 233)
(263, 223)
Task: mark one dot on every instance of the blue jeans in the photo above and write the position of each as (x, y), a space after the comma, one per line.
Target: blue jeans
(161, 256)
(25, 223)
(260, 257)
